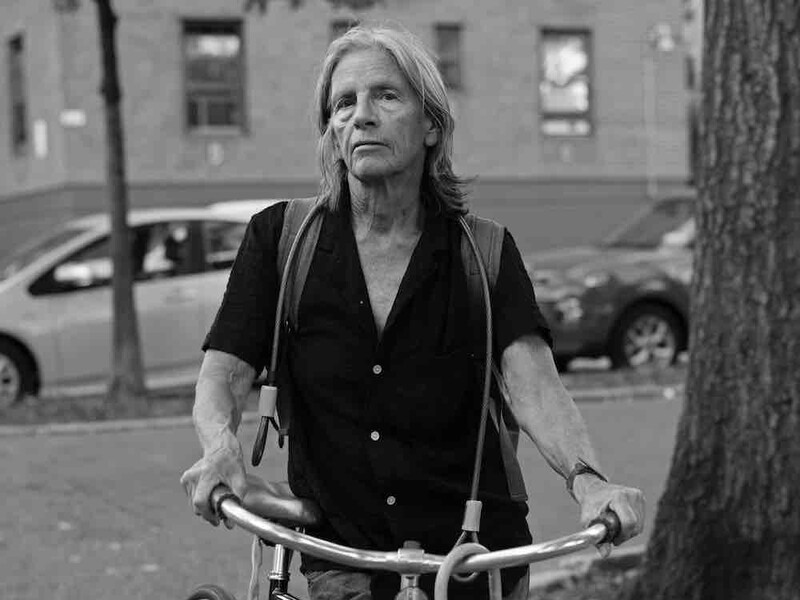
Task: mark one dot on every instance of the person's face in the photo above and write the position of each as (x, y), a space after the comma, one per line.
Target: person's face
(376, 118)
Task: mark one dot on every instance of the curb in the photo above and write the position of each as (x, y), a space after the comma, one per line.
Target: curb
(625, 393)
(575, 567)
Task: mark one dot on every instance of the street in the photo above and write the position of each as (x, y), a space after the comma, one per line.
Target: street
(103, 515)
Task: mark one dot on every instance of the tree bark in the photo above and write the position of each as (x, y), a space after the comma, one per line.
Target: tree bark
(728, 523)
(127, 377)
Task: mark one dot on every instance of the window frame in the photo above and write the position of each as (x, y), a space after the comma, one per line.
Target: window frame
(588, 116)
(450, 62)
(17, 95)
(222, 26)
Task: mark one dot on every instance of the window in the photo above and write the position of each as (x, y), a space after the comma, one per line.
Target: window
(448, 48)
(222, 241)
(340, 26)
(16, 91)
(214, 75)
(159, 250)
(29, 253)
(565, 93)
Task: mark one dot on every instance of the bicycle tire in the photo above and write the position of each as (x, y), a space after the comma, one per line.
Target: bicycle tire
(211, 592)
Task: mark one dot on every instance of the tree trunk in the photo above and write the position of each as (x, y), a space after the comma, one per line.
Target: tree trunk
(127, 378)
(728, 523)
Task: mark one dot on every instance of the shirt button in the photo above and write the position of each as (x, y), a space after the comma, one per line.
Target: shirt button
(377, 369)
(375, 436)
(391, 500)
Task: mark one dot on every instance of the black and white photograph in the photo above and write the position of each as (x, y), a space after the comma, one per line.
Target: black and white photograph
(400, 299)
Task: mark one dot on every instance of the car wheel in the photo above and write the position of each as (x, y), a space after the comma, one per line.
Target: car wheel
(646, 335)
(17, 375)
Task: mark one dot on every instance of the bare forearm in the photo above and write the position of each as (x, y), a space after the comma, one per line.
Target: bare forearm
(220, 396)
(543, 407)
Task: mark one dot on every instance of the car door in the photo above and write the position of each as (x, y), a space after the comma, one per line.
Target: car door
(167, 301)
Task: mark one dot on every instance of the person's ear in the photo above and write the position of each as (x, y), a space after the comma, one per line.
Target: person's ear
(432, 135)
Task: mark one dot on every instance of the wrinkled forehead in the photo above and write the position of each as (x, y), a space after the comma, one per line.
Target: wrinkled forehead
(368, 65)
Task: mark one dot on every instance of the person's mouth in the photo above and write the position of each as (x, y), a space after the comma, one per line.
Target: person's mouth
(366, 144)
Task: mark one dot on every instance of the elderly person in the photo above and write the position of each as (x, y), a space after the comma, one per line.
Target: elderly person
(387, 404)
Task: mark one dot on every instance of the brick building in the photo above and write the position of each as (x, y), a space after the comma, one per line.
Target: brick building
(567, 112)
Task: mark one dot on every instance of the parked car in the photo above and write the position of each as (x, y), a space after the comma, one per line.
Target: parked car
(55, 298)
(626, 297)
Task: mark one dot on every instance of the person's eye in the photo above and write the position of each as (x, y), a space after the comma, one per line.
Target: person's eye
(389, 95)
(342, 102)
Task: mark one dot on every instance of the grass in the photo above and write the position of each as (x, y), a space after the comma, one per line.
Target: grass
(178, 401)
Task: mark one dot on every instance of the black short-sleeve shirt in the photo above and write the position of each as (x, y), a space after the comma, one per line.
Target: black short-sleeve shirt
(384, 429)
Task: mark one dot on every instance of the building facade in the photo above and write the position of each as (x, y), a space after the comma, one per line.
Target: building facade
(568, 115)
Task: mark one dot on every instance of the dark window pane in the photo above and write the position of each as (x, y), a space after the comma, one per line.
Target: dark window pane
(192, 112)
(222, 113)
(213, 70)
(17, 94)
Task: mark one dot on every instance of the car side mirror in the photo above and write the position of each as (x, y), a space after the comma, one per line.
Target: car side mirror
(74, 275)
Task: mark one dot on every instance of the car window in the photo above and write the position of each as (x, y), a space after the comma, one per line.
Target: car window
(159, 250)
(27, 254)
(662, 223)
(222, 241)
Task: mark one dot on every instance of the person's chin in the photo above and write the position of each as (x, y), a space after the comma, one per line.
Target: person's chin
(369, 172)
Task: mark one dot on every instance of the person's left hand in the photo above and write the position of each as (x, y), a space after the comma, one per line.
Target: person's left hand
(596, 496)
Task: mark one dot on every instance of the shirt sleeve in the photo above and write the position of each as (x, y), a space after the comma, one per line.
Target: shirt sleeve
(516, 312)
(246, 317)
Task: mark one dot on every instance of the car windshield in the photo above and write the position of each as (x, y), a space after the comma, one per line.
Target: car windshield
(666, 223)
(28, 253)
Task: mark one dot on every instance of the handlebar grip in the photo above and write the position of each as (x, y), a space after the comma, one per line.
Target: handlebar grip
(219, 494)
(610, 521)
(261, 441)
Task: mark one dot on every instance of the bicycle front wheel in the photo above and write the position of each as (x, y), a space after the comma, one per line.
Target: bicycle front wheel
(211, 592)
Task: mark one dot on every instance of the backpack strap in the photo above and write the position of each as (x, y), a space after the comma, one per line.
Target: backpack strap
(297, 211)
(489, 237)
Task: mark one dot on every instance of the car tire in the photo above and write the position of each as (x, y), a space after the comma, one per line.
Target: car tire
(211, 592)
(17, 374)
(647, 335)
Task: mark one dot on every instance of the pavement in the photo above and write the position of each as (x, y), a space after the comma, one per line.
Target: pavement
(89, 482)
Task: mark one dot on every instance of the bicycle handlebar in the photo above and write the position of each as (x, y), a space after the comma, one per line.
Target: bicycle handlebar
(405, 560)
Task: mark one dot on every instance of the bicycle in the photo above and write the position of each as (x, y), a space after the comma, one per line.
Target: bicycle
(277, 518)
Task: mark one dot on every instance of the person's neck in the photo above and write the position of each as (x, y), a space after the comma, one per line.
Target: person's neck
(386, 210)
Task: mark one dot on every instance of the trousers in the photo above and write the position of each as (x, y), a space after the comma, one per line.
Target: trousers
(352, 585)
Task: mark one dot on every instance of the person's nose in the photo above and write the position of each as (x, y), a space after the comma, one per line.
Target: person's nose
(364, 115)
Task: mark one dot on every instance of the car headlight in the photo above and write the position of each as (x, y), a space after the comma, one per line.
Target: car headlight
(590, 279)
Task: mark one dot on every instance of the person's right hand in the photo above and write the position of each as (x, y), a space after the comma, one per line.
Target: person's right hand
(223, 465)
